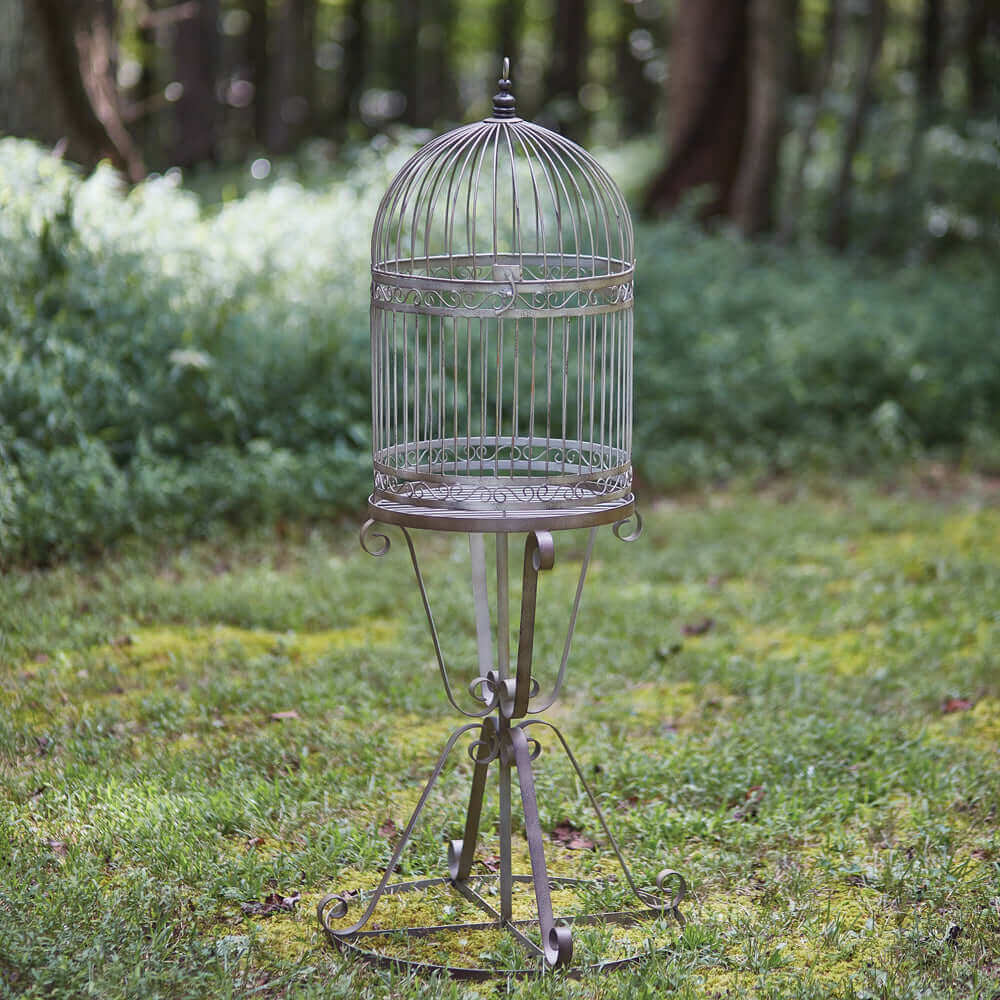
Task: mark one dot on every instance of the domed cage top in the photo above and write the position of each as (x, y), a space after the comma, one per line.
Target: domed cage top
(501, 333)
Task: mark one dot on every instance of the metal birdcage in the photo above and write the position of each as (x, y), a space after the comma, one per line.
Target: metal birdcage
(501, 332)
(501, 337)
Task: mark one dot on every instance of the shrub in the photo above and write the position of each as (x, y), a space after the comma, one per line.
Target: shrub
(164, 364)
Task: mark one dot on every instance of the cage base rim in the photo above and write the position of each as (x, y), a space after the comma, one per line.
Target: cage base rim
(500, 521)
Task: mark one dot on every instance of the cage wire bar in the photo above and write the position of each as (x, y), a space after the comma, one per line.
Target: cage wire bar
(501, 359)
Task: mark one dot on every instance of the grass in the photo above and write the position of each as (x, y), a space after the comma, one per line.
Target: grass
(850, 670)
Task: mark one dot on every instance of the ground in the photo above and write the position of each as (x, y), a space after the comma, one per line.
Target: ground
(790, 694)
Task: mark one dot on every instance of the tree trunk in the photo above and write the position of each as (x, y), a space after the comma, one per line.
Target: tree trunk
(403, 54)
(931, 49)
(355, 68)
(708, 106)
(196, 57)
(508, 16)
(257, 60)
(770, 62)
(977, 21)
(566, 67)
(30, 102)
(292, 75)
(639, 94)
(831, 45)
(436, 87)
(841, 210)
(78, 42)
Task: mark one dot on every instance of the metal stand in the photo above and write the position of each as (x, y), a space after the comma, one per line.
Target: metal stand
(503, 739)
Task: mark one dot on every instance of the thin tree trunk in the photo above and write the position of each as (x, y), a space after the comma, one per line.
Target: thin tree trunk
(708, 107)
(840, 213)
(508, 16)
(292, 75)
(831, 45)
(639, 94)
(436, 87)
(78, 42)
(355, 68)
(770, 62)
(566, 67)
(977, 20)
(403, 55)
(196, 57)
(931, 52)
(257, 60)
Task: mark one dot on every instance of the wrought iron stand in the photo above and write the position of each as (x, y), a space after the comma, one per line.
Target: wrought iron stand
(506, 697)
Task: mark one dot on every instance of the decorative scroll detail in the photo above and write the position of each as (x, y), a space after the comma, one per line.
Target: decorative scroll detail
(593, 490)
(502, 297)
(367, 534)
(634, 534)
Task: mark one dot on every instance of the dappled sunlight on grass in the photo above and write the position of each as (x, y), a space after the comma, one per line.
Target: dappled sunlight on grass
(795, 702)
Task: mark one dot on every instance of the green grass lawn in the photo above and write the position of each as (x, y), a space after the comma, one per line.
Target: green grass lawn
(850, 669)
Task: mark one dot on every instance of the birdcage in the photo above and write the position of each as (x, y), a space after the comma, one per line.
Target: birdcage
(501, 333)
(501, 359)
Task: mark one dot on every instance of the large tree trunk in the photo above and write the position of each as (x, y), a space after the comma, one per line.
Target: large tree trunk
(30, 102)
(78, 41)
(292, 77)
(196, 57)
(770, 63)
(707, 102)
(831, 44)
(566, 67)
(840, 214)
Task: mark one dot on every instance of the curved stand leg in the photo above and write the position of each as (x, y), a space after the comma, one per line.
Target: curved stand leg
(461, 852)
(505, 698)
(333, 906)
(678, 883)
(557, 942)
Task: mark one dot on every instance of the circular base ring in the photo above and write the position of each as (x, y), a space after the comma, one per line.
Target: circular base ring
(498, 521)
(350, 944)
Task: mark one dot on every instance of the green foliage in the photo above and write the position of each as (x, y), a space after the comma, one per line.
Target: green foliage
(848, 683)
(165, 364)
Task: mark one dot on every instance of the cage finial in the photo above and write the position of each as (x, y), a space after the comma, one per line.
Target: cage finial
(504, 105)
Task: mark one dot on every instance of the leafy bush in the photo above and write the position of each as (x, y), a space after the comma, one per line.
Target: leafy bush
(164, 365)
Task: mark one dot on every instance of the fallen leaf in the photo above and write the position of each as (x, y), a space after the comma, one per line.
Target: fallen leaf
(754, 796)
(571, 837)
(956, 705)
(491, 863)
(389, 830)
(281, 716)
(697, 628)
(273, 903)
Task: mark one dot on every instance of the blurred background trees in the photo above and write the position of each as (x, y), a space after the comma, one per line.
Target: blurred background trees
(764, 108)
